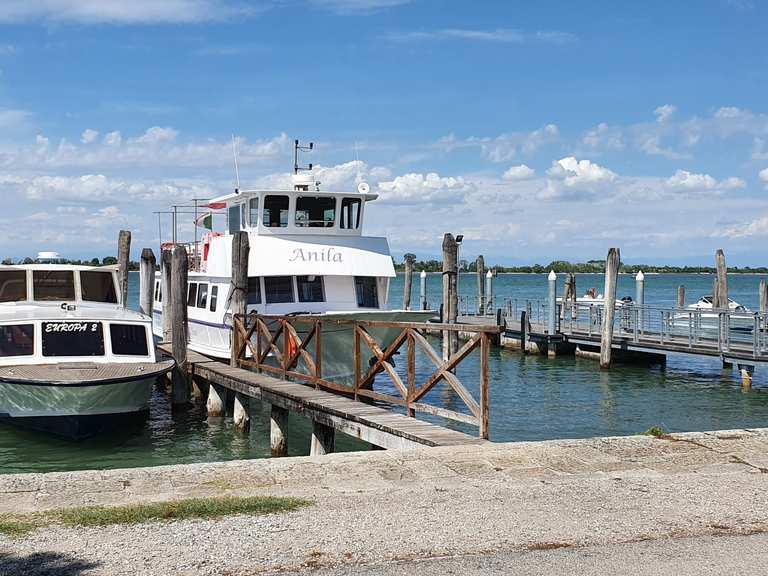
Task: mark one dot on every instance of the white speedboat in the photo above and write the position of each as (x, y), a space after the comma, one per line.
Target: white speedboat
(308, 255)
(72, 359)
(701, 316)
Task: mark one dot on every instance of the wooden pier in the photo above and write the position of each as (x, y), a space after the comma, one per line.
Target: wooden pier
(374, 424)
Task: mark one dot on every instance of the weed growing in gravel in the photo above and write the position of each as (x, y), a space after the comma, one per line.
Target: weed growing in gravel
(15, 527)
(656, 431)
(19, 525)
(178, 510)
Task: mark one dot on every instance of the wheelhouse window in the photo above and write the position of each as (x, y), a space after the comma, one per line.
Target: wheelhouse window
(72, 339)
(278, 289)
(350, 213)
(157, 291)
(254, 291)
(53, 285)
(214, 298)
(128, 339)
(233, 217)
(17, 340)
(367, 294)
(202, 295)
(253, 209)
(310, 288)
(275, 211)
(98, 287)
(192, 294)
(13, 285)
(315, 211)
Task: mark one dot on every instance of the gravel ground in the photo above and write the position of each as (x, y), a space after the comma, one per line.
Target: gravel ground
(503, 503)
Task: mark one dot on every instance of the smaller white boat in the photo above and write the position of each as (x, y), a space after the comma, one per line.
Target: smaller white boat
(705, 303)
(73, 360)
(702, 317)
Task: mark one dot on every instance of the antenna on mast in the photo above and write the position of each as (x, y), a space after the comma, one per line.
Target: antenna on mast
(296, 147)
(237, 172)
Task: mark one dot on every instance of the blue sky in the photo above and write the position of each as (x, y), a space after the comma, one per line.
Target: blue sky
(541, 131)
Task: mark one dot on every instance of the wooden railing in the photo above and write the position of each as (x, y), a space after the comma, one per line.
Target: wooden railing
(291, 347)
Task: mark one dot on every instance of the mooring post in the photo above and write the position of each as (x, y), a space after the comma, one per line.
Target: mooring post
(566, 295)
(423, 290)
(323, 437)
(179, 271)
(450, 296)
(611, 276)
(746, 371)
(722, 280)
(552, 316)
(480, 267)
(574, 309)
(147, 281)
(640, 299)
(489, 291)
(238, 306)
(407, 281)
(681, 296)
(123, 259)
(166, 265)
(278, 431)
(763, 294)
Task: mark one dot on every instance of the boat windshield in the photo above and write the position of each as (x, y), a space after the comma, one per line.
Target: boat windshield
(98, 287)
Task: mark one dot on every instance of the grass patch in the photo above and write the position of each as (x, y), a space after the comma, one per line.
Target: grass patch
(655, 431)
(177, 510)
(16, 527)
(19, 525)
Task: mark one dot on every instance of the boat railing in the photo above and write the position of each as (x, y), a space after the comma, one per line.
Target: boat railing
(301, 348)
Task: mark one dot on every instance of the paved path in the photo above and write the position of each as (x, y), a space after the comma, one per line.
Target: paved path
(494, 505)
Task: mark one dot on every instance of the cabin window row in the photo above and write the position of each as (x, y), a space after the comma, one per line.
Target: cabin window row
(280, 289)
(47, 285)
(311, 211)
(198, 295)
(73, 339)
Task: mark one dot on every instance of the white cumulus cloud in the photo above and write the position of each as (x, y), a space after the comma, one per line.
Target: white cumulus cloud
(663, 113)
(88, 136)
(521, 172)
(414, 188)
(575, 172)
(689, 181)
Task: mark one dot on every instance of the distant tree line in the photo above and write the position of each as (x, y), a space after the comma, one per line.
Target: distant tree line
(589, 267)
(106, 261)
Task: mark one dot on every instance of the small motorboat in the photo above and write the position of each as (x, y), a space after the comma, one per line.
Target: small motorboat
(700, 316)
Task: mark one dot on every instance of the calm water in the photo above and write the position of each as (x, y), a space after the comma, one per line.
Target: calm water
(531, 397)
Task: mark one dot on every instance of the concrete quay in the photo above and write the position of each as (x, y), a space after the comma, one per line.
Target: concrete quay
(461, 509)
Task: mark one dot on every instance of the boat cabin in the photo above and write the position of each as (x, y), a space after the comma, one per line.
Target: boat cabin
(52, 313)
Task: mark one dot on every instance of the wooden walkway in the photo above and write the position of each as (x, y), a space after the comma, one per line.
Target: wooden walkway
(376, 425)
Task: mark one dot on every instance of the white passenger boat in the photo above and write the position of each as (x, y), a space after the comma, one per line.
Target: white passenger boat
(72, 359)
(702, 317)
(307, 256)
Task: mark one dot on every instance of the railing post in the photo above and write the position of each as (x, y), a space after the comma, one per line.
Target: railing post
(411, 368)
(636, 327)
(552, 279)
(356, 355)
(484, 385)
(318, 353)
(640, 296)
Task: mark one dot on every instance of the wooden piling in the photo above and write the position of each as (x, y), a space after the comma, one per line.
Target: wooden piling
(681, 296)
(408, 281)
(123, 258)
(239, 300)
(278, 431)
(763, 294)
(480, 266)
(323, 439)
(166, 266)
(609, 309)
(147, 281)
(178, 309)
(241, 415)
(566, 295)
(721, 298)
(450, 295)
(214, 405)
(746, 371)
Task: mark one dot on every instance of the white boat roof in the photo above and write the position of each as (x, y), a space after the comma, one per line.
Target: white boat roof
(307, 255)
(76, 267)
(368, 196)
(29, 311)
